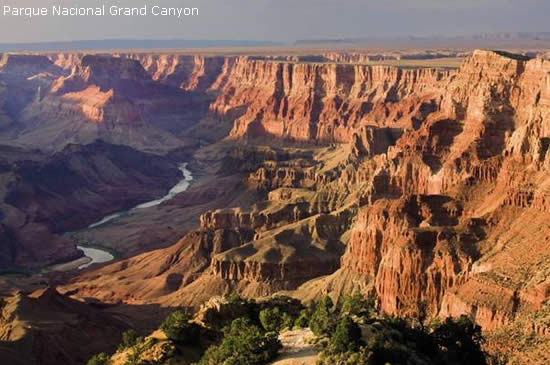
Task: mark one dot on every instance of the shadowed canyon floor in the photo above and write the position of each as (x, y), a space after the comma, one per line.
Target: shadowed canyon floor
(422, 181)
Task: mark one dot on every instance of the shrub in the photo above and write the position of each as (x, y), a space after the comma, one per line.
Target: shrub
(346, 337)
(271, 319)
(178, 328)
(461, 339)
(303, 319)
(357, 305)
(321, 321)
(235, 298)
(287, 321)
(134, 356)
(243, 343)
(135, 353)
(393, 340)
(360, 357)
(99, 359)
(129, 338)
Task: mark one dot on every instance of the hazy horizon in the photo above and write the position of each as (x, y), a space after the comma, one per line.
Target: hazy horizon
(281, 21)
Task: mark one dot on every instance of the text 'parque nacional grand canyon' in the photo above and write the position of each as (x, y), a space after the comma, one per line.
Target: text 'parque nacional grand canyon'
(134, 184)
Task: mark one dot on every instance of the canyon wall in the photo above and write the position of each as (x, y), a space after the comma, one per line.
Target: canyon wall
(322, 102)
(431, 185)
(484, 152)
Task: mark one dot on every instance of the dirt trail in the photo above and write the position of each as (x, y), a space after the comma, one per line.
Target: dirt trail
(297, 349)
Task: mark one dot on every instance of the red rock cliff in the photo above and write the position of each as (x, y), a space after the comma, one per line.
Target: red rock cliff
(322, 102)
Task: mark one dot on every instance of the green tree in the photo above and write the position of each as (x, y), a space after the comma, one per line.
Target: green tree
(303, 319)
(134, 356)
(129, 338)
(135, 353)
(235, 298)
(271, 319)
(461, 339)
(322, 321)
(346, 337)
(287, 321)
(99, 359)
(178, 328)
(243, 344)
(355, 304)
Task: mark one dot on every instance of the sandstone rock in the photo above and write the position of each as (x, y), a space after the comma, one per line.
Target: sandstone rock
(53, 328)
(314, 102)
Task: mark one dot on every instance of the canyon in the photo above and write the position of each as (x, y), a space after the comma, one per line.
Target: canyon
(425, 187)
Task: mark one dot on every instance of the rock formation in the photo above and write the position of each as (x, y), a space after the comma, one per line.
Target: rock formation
(48, 328)
(418, 185)
(426, 183)
(104, 97)
(322, 102)
(20, 65)
(69, 190)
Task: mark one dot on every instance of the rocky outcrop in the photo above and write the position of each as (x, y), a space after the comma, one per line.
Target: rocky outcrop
(151, 276)
(48, 328)
(122, 75)
(413, 249)
(66, 61)
(192, 73)
(321, 102)
(114, 99)
(483, 148)
(286, 257)
(22, 65)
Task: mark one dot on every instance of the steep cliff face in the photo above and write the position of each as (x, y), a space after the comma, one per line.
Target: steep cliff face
(413, 249)
(66, 60)
(22, 77)
(286, 257)
(114, 99)
(484, 150)
(323, 102)
(192, 73)
(123, 75)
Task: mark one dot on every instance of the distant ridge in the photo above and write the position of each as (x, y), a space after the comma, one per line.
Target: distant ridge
(121, 44)
(511, 39)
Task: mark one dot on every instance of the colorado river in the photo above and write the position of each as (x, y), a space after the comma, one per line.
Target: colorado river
(98, 256)
(95, 255)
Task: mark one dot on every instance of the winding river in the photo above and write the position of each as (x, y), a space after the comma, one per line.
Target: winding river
(96, 255)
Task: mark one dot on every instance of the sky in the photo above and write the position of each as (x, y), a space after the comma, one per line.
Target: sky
(282, 20)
